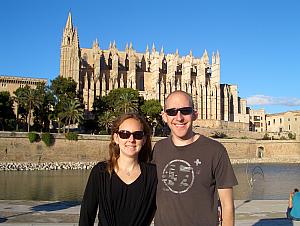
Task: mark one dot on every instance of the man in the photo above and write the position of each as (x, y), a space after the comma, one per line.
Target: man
(293, 211)
(193, 171)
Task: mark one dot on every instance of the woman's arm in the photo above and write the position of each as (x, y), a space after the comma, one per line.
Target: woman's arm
(89, 204)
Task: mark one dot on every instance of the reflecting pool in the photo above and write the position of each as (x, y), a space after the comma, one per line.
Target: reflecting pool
(256, 181)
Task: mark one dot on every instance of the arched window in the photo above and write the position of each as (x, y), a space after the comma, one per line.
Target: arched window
(260, 152)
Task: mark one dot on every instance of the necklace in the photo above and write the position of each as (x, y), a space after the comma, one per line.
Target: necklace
(128, 172)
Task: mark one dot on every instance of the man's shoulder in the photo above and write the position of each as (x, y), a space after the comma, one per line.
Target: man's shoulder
(162, 142)
(209, 140)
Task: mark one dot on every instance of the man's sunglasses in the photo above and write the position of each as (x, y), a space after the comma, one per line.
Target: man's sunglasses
(174, 111)
(124, 134)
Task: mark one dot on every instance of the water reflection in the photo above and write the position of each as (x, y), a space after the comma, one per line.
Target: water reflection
(43, 185)
(266, 181)
(256, 181)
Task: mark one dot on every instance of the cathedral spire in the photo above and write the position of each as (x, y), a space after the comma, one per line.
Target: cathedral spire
(153, 48)
(162, 50)
(70, 34)
(69, 24)
(96, 44)
(205, 57)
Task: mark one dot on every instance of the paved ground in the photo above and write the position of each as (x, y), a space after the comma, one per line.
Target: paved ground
(33, 213)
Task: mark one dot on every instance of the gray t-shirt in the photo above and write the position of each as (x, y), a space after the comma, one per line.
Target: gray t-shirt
(188, 179)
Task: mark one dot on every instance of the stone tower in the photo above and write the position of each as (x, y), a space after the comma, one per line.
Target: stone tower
(70, 53)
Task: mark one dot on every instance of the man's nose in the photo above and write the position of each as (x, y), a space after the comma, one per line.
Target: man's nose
(179, 116)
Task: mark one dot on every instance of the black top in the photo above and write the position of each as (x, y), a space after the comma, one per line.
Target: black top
(119, 203)
(125, 198)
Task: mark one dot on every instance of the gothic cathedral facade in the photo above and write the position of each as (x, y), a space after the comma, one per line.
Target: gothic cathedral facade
(154, 74)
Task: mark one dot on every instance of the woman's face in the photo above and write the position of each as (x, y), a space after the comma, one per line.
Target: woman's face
(130, 144)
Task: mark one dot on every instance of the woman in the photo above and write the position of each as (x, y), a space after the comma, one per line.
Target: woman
(123, 189)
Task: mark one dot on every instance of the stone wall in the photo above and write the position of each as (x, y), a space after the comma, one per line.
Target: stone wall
(15, 147)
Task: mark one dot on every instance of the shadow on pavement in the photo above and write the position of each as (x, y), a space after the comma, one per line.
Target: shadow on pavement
(2, 220)
(44, 207)
(275, 221)
(55, 206)
(246, 201)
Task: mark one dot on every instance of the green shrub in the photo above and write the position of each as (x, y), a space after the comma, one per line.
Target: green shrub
(282, 138)
(266, 137)
(103, 132)
(47, 138)
(71, 136)
(244, 137)
(219, 135)
(292, 136)
(33, 137)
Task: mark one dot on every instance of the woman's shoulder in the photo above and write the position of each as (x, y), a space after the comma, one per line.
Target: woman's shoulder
(100, 166)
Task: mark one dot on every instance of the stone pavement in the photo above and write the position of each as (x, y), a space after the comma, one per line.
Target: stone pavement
(38, 213)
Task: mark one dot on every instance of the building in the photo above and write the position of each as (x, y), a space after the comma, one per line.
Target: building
(12, 83)
(284, 123)
(257, 120)
(154, 73)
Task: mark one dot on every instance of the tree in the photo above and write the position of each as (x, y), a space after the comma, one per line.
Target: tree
(42, 114)
(152, 110)
(20, 109)
(29, 99)
(127, 102)
(123, 100)
(63, 90)
(7, 115)
(106, 120)
(73, 112)
(100, 105)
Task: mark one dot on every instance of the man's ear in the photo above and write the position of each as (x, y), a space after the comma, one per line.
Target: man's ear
(164, 116)
(195, 115)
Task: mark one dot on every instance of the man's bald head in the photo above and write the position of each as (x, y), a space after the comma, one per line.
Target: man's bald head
(179, 93)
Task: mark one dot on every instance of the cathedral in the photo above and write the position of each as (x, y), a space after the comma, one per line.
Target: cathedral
(153, 73)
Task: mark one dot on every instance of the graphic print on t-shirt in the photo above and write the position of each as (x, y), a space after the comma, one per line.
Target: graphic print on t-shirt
(178, 176)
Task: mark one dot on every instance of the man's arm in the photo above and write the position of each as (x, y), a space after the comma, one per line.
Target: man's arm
(226, 198)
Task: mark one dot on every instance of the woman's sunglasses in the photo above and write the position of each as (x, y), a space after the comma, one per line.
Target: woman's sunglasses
(124, 134)
(184, 111)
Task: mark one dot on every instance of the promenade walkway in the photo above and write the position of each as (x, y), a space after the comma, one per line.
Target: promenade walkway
(38, 213)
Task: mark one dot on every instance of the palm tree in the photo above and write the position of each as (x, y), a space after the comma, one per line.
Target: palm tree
(127, 102)
(73, 112)
(106, 120)
(28, 98)
(18, 100)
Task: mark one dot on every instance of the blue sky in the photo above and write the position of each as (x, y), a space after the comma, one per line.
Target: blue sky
(258, 40)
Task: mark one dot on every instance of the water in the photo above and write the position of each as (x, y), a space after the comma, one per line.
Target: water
(266, 181)
(256, 181)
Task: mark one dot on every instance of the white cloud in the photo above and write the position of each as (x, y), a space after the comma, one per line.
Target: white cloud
(267, 100)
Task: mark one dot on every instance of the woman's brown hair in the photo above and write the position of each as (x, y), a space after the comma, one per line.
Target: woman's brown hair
(114, 150)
